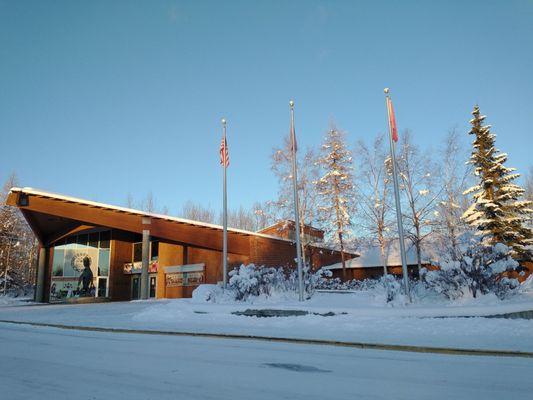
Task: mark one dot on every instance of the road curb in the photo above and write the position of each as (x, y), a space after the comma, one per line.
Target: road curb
(320, 342)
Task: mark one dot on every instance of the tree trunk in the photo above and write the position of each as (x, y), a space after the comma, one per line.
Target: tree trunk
(381, 241)
(342, 257)
(417, 246)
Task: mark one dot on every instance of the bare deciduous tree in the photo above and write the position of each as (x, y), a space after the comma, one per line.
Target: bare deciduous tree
(282, 209)
(247, 219)
(374, 193)
(18, 245)
(197, 212)
(452, 203)
(419, 184)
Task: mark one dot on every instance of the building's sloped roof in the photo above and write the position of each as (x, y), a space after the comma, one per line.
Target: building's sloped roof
(36, 192)
(284, 224)
(370, 257)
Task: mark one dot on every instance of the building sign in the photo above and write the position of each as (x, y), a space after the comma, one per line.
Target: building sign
(185, 275)
(137, 267)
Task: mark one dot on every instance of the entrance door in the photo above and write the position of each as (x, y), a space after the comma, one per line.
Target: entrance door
(102, 287)
(135, 287)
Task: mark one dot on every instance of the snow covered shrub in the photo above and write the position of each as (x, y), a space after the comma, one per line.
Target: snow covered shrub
(388, 284)
(249, 280)
(479, 270)
(314, 280)
(393, 287)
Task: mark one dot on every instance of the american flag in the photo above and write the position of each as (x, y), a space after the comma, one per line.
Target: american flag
(224, 153)
(392, 120)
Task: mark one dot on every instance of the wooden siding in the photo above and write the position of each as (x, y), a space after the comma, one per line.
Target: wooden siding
(121, 252)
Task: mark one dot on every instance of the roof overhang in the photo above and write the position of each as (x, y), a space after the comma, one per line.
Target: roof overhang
(52, 216)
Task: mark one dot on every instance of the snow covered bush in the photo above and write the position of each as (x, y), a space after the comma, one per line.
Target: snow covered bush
(249, 280)
(388, 285)
(478, 270)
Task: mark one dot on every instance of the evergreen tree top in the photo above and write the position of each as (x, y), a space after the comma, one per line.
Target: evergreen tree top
(497, 211)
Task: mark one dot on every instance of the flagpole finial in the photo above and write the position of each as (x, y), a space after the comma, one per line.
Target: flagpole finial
(291, 104)
(386, 90)
(223, 120)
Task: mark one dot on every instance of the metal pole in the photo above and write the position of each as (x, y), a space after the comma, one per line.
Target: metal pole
(224, 214)
(296, 207)
(397, 199)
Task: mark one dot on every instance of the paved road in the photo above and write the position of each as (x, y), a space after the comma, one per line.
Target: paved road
(48, 363)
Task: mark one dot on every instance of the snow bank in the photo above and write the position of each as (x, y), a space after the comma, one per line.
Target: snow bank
(15, 301)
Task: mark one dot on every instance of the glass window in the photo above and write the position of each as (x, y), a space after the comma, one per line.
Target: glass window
(102, 287)
(60, 244)
(105, 238)
(82, 240)
(59, 259)
(70, 257)
(70, 261)
(137, 252)
(92, 253)
(155, 251)
(103, 262)
(93, 240)
(70, 242)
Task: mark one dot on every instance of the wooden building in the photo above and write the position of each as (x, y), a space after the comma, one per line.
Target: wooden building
(90, 249)
(285, 229)
(370, 263)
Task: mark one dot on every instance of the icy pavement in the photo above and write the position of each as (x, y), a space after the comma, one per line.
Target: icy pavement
(48, 363)
(362, 321)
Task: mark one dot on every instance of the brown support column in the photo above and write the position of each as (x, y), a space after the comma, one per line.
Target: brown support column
(145, 284)
(41, 269)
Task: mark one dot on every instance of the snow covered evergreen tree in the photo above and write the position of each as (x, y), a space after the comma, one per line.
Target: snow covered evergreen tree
(335, 189)
(498, 212)
(529, 184)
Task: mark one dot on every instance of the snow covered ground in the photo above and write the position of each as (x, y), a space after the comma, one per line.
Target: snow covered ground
(15, 301)
(360, 317)
(47, 363)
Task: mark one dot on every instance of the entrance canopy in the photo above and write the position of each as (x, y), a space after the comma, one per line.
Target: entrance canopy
(53, 216)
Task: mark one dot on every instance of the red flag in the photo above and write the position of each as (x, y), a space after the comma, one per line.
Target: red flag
(224, 153)
(293, 140)
(392, 120)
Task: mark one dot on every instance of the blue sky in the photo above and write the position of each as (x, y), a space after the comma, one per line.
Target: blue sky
(104, 98)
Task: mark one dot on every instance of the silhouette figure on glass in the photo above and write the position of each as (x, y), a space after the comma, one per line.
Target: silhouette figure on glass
(86, 278)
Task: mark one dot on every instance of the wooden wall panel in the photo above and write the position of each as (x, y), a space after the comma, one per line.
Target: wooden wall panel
(121, 252)
(212, 260)
(169, 254)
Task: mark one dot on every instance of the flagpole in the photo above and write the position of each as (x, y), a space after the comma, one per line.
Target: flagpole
(225, 216)
(296, 207)
(397, 199)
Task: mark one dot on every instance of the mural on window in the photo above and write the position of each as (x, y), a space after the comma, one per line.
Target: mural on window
(81, 266)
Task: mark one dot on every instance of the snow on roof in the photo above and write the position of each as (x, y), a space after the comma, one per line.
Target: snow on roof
(282, 224)
(370, 257)
(36, 192)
